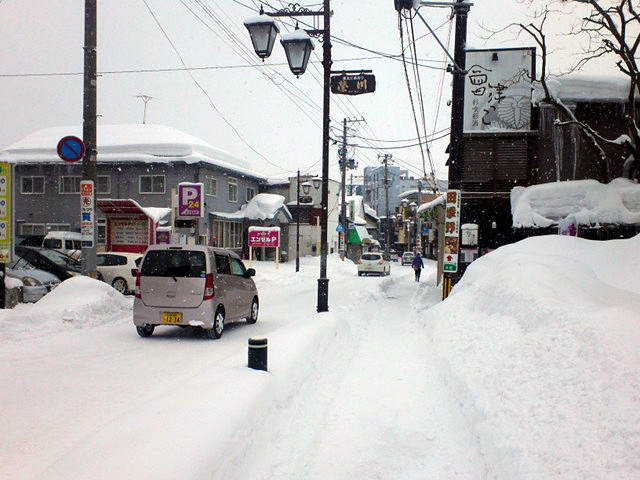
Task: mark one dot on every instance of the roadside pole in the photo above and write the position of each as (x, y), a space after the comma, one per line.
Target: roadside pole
(89, 134)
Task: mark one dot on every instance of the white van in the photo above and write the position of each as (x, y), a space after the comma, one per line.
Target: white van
(65, 242)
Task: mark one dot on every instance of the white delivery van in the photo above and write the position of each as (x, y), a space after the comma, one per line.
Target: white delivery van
(65, 242)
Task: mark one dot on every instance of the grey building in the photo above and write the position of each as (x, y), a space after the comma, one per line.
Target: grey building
(139, 162)
(373, 191)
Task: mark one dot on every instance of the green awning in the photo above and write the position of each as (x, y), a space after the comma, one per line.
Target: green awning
(359, 234)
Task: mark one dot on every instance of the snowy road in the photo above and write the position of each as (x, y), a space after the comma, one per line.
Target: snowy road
(528, 370)
(353, 393)
(378, 408)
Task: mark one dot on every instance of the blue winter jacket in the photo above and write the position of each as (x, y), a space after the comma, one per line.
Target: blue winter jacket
(417, 262)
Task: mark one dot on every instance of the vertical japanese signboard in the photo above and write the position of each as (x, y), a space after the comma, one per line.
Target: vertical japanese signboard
(190, 199)
(451, 231)
(497, 92)
(5, 212)
(87, 213)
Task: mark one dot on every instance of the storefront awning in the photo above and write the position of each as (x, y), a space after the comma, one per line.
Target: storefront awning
(359, 234)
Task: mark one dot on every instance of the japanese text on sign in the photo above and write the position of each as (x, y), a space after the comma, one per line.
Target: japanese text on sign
(498, 89)
(264, 237)
(451, 228)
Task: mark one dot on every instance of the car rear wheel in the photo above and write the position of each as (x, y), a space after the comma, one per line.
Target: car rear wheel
(253, 316)
(120, 284)
(146, 330)
(218, 325)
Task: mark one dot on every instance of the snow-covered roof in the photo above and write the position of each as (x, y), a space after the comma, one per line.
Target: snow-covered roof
(439, 200)
(587, 201)
(264, 206)
(111, 205)
(582, 87)
(360, 209)
(128, 143)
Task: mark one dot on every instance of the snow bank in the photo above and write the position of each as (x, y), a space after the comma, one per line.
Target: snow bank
(587, 201)
(540, 340)
(63, 309)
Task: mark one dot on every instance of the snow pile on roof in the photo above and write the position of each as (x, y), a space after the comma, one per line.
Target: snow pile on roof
(127, 143)
(439, 200)
(588, 202)
(370, 211)
(582, 87)
(360, 209)
(264, 206)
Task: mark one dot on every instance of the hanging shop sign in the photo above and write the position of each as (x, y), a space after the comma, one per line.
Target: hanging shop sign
(353, 84)
(498, 89)
(451, 231)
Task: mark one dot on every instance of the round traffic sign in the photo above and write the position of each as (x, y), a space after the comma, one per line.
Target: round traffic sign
(70, 149)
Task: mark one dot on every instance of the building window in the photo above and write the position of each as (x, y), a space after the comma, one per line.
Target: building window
(233, 189)
(32, 185)
(102, 231)
(58, 227)
(69, 184)
(227, 234)
(210, 186)
(151, 184)
(104, 184)
(251, 192)
(33, 229)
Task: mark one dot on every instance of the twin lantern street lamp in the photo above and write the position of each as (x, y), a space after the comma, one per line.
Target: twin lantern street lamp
(297, 44)
(298, 47)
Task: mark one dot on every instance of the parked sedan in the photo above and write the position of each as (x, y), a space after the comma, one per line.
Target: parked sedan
(407, 258)
(36, 283)
(116, 269)
(52, 261)
(373, 262)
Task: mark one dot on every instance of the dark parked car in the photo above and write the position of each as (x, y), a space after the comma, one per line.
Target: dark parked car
(61, 265)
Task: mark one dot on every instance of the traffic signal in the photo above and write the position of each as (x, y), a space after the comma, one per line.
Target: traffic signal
(403, 4)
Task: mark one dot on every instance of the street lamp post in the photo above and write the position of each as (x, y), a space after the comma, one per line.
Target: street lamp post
(298, 46)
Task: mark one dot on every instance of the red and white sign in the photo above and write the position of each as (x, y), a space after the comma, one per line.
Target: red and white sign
(264, 237)
(87, 213)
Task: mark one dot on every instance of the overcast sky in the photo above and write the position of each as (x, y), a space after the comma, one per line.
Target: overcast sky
(258, 112)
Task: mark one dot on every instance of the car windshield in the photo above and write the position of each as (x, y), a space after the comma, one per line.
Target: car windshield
(174, 263)
(371, 256)
(59, 258)
(20, 264)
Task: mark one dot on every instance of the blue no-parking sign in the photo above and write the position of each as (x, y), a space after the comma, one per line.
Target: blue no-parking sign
(70, 149)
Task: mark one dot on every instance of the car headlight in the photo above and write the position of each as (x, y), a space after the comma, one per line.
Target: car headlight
(31, 282)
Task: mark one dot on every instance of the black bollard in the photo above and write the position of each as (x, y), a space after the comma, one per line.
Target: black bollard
(258, 353)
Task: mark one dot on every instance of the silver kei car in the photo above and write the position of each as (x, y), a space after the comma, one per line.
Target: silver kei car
(193, 285)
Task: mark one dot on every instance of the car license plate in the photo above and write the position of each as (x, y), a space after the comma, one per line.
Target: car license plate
(171, 317)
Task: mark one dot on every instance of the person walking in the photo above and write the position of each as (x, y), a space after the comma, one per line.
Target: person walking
(417, 266)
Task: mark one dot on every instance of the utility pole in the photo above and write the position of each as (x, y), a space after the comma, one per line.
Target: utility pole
(385, 160)
(89, 127)
(298, 223)
(419, 220)
(461, 9)
(344, 164)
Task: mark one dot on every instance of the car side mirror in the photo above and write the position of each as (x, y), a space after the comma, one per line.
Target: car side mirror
(250, 272)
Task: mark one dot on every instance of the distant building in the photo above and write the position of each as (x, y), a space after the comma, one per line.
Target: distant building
(139, 162)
